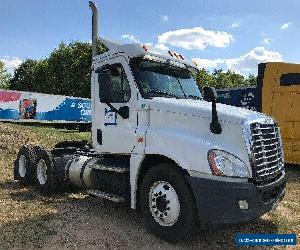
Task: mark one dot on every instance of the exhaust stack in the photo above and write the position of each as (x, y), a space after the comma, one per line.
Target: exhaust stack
(94, 27)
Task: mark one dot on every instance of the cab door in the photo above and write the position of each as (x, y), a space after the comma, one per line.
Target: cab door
(111, 132)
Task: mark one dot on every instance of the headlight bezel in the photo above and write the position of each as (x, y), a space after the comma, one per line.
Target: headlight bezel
(225, 164)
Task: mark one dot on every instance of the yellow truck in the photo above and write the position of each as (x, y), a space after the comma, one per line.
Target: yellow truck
(278, 86)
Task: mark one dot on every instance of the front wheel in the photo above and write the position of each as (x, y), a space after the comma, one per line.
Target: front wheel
(167, 203)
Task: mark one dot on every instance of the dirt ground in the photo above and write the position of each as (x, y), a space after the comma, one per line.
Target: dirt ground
(77, 221)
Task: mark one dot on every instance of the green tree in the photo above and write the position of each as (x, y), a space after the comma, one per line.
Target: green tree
(31, 75)
(4, 77)
(235, 80)
(250, 81)
(204, 78)
(220, 79)
(67, 71)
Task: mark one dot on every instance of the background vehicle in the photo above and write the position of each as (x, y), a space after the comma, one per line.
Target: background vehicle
(277, 94)
(159, 145)
(244, 97)
(29, 107)
(279, 85)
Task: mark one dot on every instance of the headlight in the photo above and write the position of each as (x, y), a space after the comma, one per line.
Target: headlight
(226, 164)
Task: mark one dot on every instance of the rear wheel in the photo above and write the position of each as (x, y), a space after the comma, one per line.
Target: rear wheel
(41, 172)
(24, 165)
(46, 178)
(167, 203)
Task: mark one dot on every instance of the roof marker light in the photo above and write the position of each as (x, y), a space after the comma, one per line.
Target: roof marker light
(177, 56)
(170, 53)
(145, 47)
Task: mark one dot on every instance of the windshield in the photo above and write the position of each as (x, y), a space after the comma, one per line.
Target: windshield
(162, 79)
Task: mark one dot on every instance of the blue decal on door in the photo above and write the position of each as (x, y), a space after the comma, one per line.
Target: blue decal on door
(110, 117)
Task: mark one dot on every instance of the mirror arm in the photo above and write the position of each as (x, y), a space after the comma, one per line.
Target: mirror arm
(123, 113)
(215, 126)
(112, 107)
(210, 95)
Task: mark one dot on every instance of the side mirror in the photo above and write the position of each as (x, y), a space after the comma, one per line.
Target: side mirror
(105, 86)
(210, 95)
(106, 93)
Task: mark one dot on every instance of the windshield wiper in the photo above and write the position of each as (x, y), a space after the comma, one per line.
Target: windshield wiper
(194, 97)
(152, 93)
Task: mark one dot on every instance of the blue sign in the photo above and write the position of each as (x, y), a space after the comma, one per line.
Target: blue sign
(71, 109)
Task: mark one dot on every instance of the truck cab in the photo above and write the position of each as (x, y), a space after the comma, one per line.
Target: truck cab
(147, 106)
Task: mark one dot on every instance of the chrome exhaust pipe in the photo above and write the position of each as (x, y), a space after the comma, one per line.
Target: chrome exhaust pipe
(94, 27)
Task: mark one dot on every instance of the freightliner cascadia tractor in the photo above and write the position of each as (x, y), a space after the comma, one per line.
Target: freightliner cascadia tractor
(163, 147)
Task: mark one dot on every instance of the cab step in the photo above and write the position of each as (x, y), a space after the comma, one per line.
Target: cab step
(107, 196)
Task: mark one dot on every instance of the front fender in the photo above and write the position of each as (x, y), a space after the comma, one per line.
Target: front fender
(189, 150)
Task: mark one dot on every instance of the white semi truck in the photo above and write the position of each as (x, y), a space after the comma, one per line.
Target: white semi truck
(160, 145)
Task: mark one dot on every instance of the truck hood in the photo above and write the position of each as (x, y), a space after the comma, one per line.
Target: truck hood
(226, 113)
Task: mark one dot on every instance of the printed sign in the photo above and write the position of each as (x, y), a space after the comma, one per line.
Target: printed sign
(28, 108)
(19, 105)
(265, 239)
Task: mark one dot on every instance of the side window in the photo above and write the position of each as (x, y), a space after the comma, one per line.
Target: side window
(114, 83)
(290, 79)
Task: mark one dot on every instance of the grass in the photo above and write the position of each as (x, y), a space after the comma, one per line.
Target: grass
(30, 220)
(24, 213)
(287, 215)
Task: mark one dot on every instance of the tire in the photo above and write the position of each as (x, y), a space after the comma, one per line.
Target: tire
(24, 165)
(46, 179)
(157, 199)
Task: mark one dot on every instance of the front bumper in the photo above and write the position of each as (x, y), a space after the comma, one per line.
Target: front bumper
(217, 201)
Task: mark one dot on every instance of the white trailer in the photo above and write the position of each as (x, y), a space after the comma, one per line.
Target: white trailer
(158, 144)
(32, 107)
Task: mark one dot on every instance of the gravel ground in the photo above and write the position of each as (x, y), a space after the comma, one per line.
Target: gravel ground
(75, 220)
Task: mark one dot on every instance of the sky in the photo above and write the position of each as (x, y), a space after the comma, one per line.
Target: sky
(231, 34)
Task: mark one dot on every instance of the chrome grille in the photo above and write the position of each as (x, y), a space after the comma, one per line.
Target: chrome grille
(266, 152)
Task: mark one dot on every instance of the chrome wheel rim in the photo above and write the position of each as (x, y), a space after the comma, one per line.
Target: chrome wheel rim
(164, 203)
(22, 166)
(41, 172)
